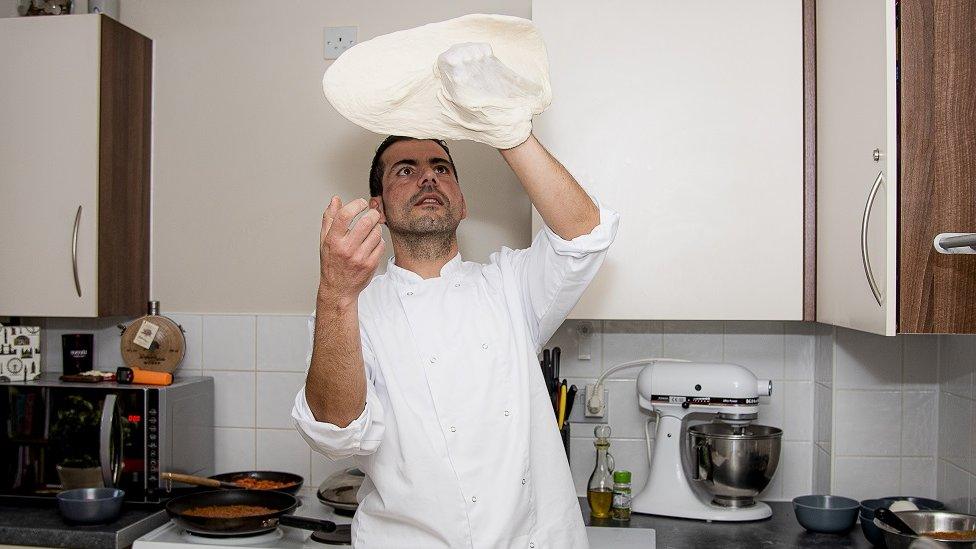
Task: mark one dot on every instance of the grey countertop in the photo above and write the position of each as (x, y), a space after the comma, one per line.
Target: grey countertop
(780, 530)
(40, 524)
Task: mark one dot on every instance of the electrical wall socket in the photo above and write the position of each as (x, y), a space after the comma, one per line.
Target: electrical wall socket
(339, 39)
(580, 412)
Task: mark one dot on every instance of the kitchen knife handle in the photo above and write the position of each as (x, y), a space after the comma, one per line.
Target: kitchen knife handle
(74, 250)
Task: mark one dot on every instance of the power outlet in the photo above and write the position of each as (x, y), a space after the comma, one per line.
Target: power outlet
(339, 39)
(587, 415)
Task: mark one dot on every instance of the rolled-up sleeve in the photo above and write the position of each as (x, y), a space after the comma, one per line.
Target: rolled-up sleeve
(362, 436)
(554, 272)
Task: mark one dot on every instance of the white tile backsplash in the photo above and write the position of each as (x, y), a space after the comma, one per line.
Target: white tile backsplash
(796, 469)
(920, 364)
(797, 410)
(234, 398)
(283, 343)
(275, 396)
(869, 423)
(690, 340)
(323, 468)
(800, 348)
(866, 477)
(234, 450)
(920, 423)
(568, 340)
(759, 346)
(918, 476)
(866, 361)
(283, 450)
(228, 342)
(193, 333)
(628, 340)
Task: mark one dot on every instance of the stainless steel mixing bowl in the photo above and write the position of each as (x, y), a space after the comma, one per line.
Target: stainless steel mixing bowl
(929, 521)
(734, 463)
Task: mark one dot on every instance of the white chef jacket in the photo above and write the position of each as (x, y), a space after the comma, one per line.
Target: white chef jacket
(458, 439)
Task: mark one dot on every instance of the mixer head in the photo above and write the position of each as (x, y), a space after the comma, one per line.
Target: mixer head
(728, 390)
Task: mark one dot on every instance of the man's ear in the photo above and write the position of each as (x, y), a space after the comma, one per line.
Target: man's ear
(464, 208)
(376, 203)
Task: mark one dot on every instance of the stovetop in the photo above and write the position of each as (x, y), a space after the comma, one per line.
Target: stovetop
(171, 536)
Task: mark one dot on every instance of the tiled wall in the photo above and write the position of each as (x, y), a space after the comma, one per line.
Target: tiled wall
(849, 403)
(957, 423)
(781, 351)
(877, 401)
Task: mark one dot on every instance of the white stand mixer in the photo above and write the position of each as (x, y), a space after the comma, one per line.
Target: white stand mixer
(727, 463)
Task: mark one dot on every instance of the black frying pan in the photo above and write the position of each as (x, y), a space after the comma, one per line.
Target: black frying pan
(265, 475)
(281, 503)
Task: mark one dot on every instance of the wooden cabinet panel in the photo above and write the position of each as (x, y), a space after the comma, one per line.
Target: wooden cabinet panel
(938, 168)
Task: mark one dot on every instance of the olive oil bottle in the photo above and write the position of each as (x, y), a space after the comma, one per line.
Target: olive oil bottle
(599, 490)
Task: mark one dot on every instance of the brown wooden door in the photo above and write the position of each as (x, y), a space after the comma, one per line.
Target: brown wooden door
(937, 293)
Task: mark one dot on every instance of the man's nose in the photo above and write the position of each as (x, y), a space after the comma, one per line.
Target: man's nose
(429, 177)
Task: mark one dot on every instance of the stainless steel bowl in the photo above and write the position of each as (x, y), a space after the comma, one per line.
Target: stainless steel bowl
(90, 505)
(734, 463)
(928, 521)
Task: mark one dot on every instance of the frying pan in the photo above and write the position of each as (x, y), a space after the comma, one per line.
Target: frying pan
(227, 480)
(281, 503)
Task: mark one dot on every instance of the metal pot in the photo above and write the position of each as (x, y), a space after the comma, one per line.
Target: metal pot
(734, 463)
(339, 490)
(928, 521)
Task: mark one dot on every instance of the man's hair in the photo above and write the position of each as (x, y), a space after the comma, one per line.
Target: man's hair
(376, 168)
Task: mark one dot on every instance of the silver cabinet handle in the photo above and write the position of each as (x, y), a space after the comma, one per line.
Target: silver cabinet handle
(74, 250)
(865, 255)
(955, 243)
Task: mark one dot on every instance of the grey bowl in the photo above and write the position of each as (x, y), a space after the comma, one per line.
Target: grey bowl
(928, 521)
(90, 505)
(827, 514)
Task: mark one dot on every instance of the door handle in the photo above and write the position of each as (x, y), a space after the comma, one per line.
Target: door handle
(110, 458)
(74, 250)
(865, 254)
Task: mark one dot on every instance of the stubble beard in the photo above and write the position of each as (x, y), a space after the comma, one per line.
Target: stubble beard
(427, 236)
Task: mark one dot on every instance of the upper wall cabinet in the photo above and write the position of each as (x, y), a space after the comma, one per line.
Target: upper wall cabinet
(74, 166)
(687, 118)
(896, 162)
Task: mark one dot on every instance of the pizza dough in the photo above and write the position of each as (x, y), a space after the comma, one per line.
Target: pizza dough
(477, 77)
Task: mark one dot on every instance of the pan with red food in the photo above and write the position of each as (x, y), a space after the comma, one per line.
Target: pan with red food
(289, 483)
(239, 513)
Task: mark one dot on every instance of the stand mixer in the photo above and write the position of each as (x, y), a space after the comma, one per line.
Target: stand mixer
(707, 471)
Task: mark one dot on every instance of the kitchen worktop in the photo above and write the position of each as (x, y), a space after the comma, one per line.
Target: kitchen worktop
(780, 530)
(40, 524)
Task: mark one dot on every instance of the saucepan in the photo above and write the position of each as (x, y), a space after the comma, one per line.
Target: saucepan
(198, 513)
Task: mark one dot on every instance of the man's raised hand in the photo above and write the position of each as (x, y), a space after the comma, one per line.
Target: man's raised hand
(348, 256)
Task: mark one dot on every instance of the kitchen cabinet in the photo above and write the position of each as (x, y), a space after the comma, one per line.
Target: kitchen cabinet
(896, 164)
(74, 150)
(688, 119)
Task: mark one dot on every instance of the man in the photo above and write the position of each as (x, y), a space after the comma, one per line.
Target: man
(428, 375)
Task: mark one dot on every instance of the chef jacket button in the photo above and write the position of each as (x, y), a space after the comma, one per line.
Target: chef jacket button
(506, 413)
(409, 293)
(474, 499)
(484, 345)
(523, 482)
(531, 546)
(433, 359)
(457, 284)
(453, 428)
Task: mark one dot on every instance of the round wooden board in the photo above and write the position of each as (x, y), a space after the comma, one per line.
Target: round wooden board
(164, 354)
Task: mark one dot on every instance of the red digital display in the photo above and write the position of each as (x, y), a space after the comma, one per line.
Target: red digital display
(133, 418)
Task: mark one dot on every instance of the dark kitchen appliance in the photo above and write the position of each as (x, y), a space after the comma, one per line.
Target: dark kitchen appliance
(129, 432)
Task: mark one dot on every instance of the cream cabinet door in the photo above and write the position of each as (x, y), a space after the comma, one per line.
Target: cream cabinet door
(48, 165)
(856, 116)
(687, 118)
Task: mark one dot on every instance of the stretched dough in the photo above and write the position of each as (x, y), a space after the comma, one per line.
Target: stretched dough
(477, 77)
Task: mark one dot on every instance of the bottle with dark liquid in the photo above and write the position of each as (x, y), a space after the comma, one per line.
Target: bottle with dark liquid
(599, 490)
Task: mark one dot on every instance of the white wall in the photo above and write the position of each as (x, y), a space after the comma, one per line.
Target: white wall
(247, 151)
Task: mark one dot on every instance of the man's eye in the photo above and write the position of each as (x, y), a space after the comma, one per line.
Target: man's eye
(442, 169)
(404, 171)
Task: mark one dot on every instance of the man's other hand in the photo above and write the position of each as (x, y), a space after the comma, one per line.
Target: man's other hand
(348, 256)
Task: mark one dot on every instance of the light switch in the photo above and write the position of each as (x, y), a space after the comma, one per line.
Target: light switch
(339, 39)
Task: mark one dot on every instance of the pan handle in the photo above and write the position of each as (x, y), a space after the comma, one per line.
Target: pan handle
(307, 523)
(198, 481)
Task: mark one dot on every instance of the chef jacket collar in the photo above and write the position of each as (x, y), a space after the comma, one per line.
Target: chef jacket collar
(400, 274)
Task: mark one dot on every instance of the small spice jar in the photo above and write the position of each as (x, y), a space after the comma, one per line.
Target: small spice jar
(620, 508)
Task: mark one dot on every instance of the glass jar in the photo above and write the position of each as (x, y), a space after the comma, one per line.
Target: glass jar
(620, 508)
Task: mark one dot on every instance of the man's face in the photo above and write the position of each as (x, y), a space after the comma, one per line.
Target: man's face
(421, 194)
